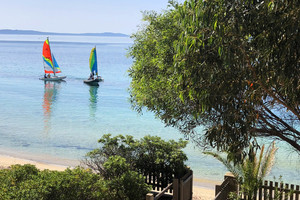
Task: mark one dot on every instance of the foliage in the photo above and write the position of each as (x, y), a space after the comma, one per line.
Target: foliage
(229, 66)
(149, 154)
(123, 182)
(111, 146)
(27, 182)
(251, 172)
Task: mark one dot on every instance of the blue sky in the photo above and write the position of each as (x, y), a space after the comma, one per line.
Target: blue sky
(76, 16)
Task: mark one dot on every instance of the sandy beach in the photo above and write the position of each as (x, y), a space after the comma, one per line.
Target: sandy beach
(203, 189)
(6, 161)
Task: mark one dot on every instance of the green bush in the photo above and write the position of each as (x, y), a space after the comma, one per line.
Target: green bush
(149, 154)
(27, 182)
(124, 182)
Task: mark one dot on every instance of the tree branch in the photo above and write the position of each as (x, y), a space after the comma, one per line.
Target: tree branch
(281, 136)
(288, 127)
(266, 89)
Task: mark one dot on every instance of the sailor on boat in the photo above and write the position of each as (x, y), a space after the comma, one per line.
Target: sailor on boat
(91, 76)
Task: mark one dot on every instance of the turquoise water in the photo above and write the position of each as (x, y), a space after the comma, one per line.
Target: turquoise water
(54, 121)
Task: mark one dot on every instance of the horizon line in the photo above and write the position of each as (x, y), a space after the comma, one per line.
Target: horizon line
(15, 31)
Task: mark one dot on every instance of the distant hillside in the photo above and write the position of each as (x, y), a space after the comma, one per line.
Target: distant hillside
(31, 32)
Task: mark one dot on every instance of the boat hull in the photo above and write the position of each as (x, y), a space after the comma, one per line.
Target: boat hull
(93, 81)
(54, 78)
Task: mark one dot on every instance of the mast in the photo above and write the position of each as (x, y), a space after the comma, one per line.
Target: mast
(51, 56)
(96, 60)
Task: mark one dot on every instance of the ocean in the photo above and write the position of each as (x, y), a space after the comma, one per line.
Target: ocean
(60, 122)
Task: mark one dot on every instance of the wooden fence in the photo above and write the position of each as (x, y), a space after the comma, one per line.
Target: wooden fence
(268, 191)
(159, 181)
(175, 189)
(183, 187)
(229, 185)
(275, 190)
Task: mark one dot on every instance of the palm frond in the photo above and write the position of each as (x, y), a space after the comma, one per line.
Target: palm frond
(258, 165)
(236, 171)
(268, 160)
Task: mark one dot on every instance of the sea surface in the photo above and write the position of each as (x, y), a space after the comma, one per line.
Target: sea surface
(60, 122)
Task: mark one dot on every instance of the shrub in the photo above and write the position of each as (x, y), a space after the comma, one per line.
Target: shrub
(27, 182)
(149, 154)
(123, 182)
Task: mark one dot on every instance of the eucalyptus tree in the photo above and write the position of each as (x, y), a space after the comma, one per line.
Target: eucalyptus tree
(231, 67)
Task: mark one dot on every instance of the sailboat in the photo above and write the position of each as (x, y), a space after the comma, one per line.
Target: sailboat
(50, 64)
(93, 80)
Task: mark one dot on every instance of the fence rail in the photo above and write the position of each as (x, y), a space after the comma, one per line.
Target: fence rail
(159, 181)
(268, 191)
(276, 190)
(176, 189)
(229, 185)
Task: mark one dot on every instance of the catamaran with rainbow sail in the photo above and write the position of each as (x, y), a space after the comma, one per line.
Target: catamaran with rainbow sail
(50, 64)
(92, 80)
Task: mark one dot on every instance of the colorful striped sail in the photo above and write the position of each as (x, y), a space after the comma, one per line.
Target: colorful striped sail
(56, 67)
(93, 61)
(48, 63)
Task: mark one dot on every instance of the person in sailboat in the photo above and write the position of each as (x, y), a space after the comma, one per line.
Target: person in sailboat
(91, 76)
(48, 76)
(45, 76)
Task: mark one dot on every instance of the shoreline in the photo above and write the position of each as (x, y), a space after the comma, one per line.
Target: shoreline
(203, 189)
(6, 161)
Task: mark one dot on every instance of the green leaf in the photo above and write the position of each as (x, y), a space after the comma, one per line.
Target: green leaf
(181, 97)
(215, 25)
(271, 5)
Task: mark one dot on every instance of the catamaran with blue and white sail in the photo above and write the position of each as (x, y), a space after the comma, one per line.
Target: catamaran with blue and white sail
(50, 64)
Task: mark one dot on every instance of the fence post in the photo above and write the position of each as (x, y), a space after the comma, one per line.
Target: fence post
(233, 182)
(191, 184)
(230, 184)
(149, 196)
(265, 189)
(175, 189)
(181, 194)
